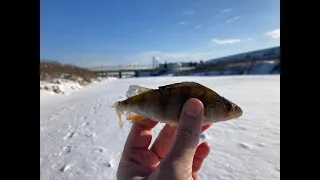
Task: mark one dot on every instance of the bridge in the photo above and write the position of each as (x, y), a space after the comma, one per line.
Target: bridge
(119, 70)
(217, 63)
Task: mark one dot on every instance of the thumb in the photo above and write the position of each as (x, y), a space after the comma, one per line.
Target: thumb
(188, 131)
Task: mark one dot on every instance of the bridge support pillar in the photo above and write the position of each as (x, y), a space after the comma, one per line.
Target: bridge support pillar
(136, 73)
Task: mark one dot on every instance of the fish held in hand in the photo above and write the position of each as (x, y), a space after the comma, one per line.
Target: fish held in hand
(165, 103)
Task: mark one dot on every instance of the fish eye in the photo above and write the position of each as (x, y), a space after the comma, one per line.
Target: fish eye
(228, 107)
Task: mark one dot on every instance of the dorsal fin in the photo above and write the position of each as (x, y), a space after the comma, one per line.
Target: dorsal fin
(135, 90)
(181, 84)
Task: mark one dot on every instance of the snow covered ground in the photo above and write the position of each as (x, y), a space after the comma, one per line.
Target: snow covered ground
(64, 86)
(80, 138)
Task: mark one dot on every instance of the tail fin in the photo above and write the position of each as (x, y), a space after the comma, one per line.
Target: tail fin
(119, 112)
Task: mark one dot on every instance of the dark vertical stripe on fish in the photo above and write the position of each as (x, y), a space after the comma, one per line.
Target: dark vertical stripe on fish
(204, 98)
(162, 102)
(185, 94)
(164, 96)
(142, 101)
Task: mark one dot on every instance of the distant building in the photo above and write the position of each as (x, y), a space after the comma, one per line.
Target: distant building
(155, 62)
(174, 65)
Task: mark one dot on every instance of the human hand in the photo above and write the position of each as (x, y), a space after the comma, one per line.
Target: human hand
(175, 153)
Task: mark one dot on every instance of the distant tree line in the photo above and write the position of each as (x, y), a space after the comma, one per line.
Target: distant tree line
(195, 64)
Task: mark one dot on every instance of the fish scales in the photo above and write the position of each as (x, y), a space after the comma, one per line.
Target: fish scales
(165, 103)
(168, 97)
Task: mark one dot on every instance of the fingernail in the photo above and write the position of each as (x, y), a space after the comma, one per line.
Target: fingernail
(193, 107)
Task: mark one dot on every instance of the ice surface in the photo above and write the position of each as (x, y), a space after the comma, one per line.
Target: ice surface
(80, 137)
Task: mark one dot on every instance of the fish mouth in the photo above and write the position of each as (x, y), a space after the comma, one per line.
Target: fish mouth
(236, 113)
(238, 110)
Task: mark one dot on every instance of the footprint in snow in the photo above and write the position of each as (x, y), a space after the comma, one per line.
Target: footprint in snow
(107, 165)
(85, 124)
(260, 144)
(65, 150)
(244, 146)
(83, 118)
(65, 167)
(89, 134)
(69, 135)
(99, 150)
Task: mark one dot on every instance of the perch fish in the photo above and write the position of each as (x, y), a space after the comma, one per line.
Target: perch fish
(165, 103)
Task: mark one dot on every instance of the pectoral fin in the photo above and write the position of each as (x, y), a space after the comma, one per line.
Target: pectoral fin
(135, 117)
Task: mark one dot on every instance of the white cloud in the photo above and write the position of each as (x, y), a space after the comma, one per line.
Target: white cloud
(188, 13)
(182, 22)
(249, 39)
(274, 33)
(198, 26)
(233, 19)
(226, 10)
(226, 41)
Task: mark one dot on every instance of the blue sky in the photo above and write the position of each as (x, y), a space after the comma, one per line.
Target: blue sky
(105, 32)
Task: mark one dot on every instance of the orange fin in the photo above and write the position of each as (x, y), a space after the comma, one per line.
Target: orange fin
(135, 117)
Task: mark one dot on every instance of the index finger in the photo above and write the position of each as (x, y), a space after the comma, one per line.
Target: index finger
(163, 142)
(140, 135)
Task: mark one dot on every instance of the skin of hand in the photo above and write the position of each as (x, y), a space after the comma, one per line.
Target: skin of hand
(175, 153)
